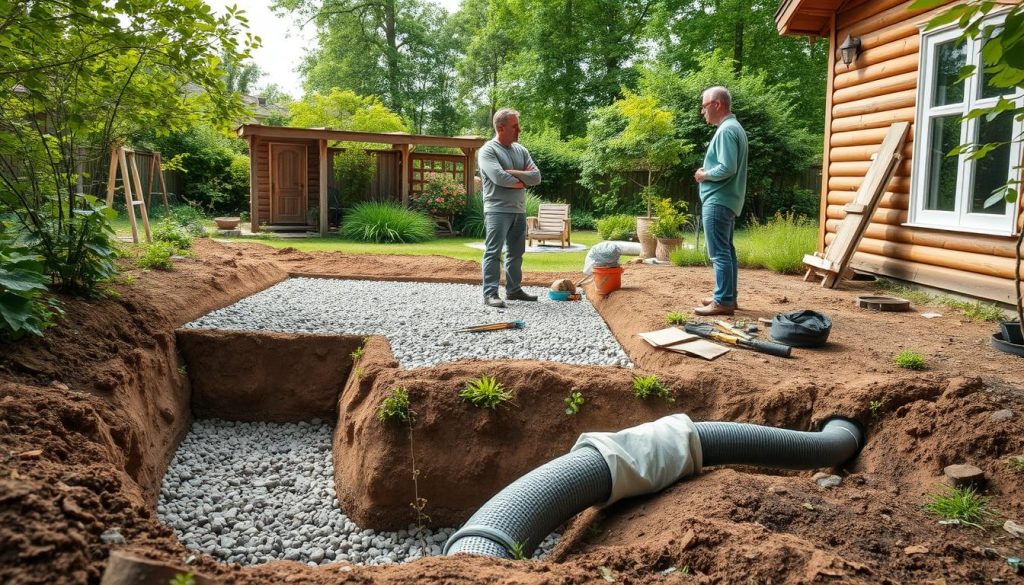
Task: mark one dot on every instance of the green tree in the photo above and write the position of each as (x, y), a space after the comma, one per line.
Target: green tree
(79, 77)
(632, 134)
(778, 144)
(344, 110)
(684, 31)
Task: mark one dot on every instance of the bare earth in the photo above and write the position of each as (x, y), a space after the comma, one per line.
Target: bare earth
(91, 414)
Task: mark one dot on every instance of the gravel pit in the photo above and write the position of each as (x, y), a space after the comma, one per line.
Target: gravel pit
(254, 492)
(422, 321)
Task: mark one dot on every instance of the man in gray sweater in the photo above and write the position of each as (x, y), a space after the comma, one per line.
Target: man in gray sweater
(506, 170)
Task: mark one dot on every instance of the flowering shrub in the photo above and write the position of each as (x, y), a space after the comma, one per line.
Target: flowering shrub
(442, 195)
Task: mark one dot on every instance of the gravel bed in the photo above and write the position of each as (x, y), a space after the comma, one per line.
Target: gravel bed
(422, 321)
(249, 493)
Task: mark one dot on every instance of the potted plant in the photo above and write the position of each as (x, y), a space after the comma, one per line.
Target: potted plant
(441, 197)
(668, 227)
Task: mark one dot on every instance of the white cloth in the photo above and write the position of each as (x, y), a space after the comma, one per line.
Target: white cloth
(603, 254)
(647, 458)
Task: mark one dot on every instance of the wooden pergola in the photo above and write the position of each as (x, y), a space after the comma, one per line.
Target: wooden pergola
(288, 165)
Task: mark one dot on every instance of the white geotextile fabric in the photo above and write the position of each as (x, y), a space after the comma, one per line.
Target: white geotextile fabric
(603, 254)
(647, 458)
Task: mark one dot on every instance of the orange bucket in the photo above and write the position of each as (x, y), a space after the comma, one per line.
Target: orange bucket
(607, 280)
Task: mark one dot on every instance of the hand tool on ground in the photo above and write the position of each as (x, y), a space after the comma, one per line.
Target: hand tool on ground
(495, 326)
(728, 329)
(708, 332)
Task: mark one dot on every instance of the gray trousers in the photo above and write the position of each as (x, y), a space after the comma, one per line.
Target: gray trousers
(504, 230)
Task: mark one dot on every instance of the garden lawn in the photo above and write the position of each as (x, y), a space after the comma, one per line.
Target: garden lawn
(452, 247)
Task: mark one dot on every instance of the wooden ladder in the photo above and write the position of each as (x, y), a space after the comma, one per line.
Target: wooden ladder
(123, 158)
(834, 264)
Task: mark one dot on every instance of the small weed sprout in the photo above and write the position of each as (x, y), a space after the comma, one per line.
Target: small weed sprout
(395, 406)
(357, 354)
(485, 392)
(183, 579)
(875, 406)
(182, 370)
(358, 372)
(1017, 463)
(677, 318)
(594, 532)
(516, 550)
(645, 387)
(909, 360)
(963, 504)
(573, 402)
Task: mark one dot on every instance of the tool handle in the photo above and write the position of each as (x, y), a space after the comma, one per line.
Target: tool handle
(768, 347)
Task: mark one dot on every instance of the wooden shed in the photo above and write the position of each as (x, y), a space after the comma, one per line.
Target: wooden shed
(290, 170)
(931, 227)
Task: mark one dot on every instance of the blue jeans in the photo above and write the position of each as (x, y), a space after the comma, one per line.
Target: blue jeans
(504, 230)
(719, 224)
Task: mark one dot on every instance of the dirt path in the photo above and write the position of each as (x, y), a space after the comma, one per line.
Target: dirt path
(90, 415)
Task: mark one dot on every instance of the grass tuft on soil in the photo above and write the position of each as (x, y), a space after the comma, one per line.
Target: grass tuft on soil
(963, 504)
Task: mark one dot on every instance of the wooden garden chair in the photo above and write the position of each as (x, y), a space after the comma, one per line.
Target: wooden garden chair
(552, 223)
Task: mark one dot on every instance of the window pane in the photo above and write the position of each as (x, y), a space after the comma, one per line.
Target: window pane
(949, 59)
(988, 91)
(942, 169)
(991, 172)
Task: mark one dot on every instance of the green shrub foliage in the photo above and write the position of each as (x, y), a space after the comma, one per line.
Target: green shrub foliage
(215, 167)
(168, 230)
(157, 256)
(386, 223)
(24, 309)
(617, 227)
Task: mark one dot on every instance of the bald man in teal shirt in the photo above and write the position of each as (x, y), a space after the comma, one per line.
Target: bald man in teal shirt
(723, 187)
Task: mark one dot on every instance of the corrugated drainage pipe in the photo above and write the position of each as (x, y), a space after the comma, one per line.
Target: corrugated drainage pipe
(603, 468)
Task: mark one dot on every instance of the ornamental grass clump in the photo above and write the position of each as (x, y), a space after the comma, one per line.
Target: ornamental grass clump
(386, 223)
(961, 504)
(485, 392)
(779, 244)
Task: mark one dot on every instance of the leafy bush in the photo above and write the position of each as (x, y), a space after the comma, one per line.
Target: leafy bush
(645, 387)
(560, 161)
(442, 195)
(686, 256)
(79, 253)
(386, 223)
(168, 230)
(780, 244)
(617, 227)
(395, 406)
(23, 306)
(671, 221)
(353, 172)
(485, 392)
(909, 360)
(582, 220)
(215, 166)
(157, 256)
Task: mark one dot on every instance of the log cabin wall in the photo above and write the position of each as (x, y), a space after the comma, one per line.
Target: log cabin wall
(876, 90)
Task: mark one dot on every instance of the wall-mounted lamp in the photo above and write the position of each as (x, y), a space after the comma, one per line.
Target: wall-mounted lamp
(850, 49)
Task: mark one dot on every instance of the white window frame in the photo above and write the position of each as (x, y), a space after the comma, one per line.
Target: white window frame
(961, 219)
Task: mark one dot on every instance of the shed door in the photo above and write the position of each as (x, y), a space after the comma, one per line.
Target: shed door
(288, 198)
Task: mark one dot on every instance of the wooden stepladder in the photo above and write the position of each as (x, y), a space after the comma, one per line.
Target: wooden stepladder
(123, 158)
(834, 264)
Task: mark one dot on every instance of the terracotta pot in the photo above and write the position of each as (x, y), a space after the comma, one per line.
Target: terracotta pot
(227, 223)
(648, 244)
(665, 248)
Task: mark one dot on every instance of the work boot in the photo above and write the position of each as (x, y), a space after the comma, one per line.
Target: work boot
(519, 295)
(714, 309)
(494, 301)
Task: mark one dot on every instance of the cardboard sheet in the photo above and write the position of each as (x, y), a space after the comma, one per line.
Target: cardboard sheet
(667, 336)
(700, 348)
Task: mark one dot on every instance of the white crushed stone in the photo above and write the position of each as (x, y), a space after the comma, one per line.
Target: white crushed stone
(250, 493)
(422, 321)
